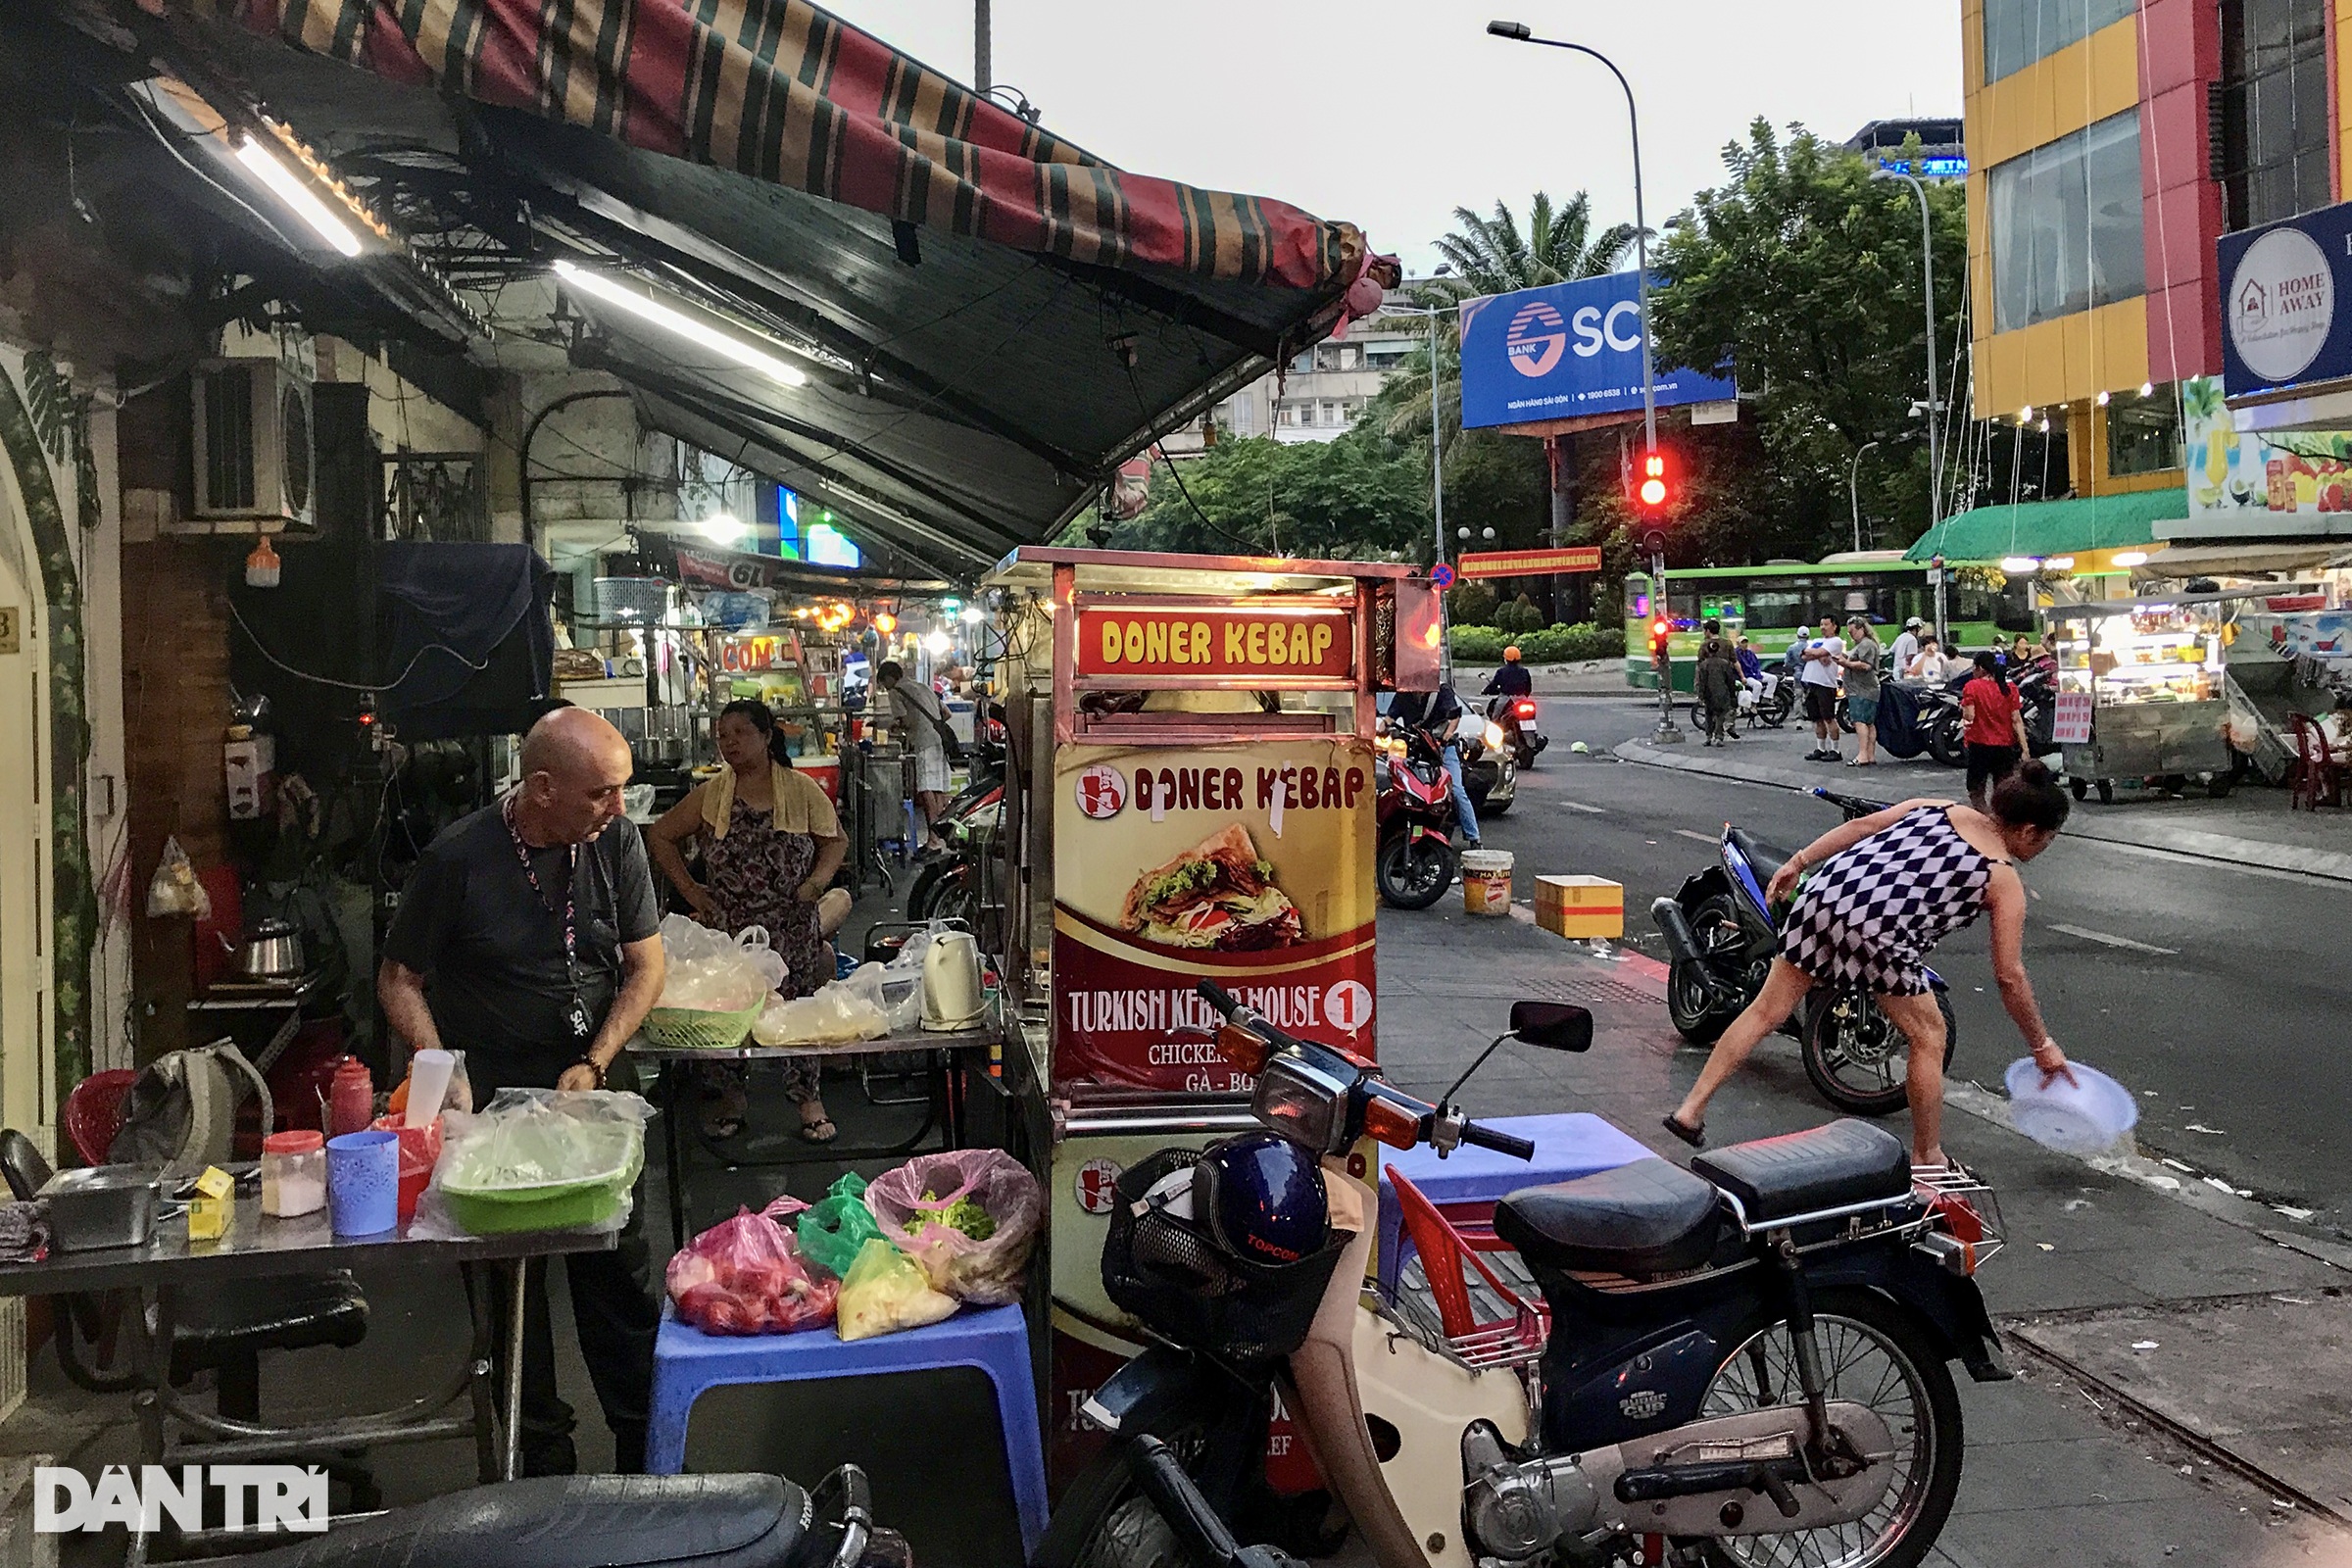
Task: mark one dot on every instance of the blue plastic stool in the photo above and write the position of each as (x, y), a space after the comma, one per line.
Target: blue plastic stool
(1567, 1145)
(993, 1340)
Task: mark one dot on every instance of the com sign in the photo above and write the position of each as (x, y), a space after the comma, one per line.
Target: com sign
(1566, 351)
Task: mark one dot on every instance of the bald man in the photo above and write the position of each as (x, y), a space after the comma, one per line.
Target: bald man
(527, 937)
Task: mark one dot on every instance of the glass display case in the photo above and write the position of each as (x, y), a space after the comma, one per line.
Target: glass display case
(2141, 693)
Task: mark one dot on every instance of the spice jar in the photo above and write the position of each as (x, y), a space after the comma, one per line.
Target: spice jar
(293, 1173)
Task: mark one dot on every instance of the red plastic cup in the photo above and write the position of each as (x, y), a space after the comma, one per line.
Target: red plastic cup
(419, 1151)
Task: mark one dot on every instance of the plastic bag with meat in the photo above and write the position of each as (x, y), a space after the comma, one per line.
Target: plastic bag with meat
(742, 1276)
(969, 1215)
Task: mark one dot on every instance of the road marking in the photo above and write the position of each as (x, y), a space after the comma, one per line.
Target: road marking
(1579, 805)
(1686, 833)
(2116, 942)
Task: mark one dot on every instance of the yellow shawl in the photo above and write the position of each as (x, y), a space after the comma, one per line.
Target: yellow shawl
(797, 800)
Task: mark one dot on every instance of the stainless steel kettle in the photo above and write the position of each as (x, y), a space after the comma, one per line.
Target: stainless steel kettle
(272, 951)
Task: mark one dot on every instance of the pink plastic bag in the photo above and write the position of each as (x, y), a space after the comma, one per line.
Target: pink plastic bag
(932, 1206)
(419, 1152)
(743, 1276)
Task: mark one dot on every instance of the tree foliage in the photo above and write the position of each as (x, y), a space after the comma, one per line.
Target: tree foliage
(1360, 496)
(1492, 256)
(1804, 272)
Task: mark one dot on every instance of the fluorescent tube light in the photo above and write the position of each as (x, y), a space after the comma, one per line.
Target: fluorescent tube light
(296, 193)
(692, 328)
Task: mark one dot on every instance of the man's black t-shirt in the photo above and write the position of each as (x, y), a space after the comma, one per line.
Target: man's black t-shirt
(1511, 680)
(492, 953)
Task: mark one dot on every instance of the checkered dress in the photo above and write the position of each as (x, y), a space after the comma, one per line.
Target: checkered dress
(1868, 917)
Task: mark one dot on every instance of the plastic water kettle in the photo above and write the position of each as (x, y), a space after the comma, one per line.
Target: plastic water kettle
(952, 994)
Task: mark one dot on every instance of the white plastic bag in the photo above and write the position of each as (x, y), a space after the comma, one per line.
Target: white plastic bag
(710, 971)
(175, 889)
(844, 1010)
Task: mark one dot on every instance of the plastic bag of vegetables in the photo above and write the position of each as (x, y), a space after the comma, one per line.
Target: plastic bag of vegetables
(886, 1291)
(838, 1223)
(742, 1276)
(969, 1215)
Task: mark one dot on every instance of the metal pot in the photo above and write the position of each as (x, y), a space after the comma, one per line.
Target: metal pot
(103, 1206)
(272, 951)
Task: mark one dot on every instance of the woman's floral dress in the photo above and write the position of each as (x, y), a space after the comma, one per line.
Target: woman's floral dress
(756, 873)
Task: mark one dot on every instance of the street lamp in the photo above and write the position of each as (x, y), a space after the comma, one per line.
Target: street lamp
(1519, 33)
(1437, 450)
(1853, 497)
(1927, 270)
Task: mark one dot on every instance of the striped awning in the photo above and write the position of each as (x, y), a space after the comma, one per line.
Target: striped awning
(788, 94)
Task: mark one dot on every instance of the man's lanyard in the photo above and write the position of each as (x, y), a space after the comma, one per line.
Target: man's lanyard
(569, 915)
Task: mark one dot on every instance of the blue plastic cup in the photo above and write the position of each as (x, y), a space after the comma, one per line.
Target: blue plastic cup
(363, 1182)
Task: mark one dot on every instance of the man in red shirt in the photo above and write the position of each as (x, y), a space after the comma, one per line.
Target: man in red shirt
(1994, 726)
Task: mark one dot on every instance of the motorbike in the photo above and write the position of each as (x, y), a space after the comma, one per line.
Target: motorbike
(1490, 767)
(1742, 1362)
(1516, 717)
(1414, 862)
(1756, 710)
(1941, 725)
(706, 1521)
(947, 878)
(1722, 936)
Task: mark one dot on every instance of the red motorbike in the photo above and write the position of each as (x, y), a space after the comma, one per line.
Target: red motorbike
(1416, 860)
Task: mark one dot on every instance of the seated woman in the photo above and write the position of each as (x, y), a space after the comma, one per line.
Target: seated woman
(770, 843)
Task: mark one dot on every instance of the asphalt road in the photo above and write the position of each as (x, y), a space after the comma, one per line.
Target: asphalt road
(2215, 991)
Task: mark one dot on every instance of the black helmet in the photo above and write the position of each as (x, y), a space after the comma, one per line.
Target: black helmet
(1262, 1198)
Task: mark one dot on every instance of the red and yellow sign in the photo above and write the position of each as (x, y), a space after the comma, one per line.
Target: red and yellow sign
(1249, 864)
(1528, 562)
(1211, 641)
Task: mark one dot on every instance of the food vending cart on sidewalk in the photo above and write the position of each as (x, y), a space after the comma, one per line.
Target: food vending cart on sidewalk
(1192, 796)
(2142, 694)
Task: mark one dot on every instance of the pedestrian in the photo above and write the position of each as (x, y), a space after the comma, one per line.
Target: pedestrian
(922, 727)
(1511, 679)
(1821, 656)
(1929, 664)
(1861, 665)
(1715, 682)
(1437, 718)
(1992, 726)
(1884, 890)
(529, 935)
(2020, 653)
(770, 843)
(1905, 647)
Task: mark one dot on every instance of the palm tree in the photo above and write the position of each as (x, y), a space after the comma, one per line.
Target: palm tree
(1491, 256)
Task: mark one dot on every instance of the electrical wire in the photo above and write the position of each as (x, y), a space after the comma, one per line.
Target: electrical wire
(254, 637)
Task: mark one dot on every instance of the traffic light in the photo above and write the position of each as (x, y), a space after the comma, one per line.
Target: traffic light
(1660, 629)
(1655, 492)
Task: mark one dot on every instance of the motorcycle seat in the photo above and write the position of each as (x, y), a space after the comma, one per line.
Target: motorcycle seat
(714, 1521)
(1823, 1167)
(1646, 1218)
(1764, 858)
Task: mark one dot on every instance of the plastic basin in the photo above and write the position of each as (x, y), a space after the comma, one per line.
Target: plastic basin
(2078, 1118)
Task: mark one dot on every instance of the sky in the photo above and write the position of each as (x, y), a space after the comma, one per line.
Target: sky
(1389, 114)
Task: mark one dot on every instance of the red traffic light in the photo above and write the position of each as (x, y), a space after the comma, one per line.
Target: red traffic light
(1656, 486)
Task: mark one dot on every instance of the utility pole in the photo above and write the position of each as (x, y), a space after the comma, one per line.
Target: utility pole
(982, 67)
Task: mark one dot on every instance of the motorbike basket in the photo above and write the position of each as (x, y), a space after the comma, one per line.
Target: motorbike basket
(1185, 1287)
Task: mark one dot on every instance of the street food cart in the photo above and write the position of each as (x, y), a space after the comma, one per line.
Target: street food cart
(1191, 796)
(2142, 694)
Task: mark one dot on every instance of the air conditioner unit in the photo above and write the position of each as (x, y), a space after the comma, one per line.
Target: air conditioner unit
(254, 457)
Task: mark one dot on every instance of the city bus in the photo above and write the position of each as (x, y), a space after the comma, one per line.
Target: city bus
(1774, 603)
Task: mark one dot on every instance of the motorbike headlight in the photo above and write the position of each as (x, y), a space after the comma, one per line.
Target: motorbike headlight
(1303, 1104)
(1493, 734)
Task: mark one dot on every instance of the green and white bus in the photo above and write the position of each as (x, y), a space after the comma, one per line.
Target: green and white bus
(1774, 603)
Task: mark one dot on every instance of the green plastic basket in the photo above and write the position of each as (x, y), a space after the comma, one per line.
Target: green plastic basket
(693, 1029)
(554, 1206)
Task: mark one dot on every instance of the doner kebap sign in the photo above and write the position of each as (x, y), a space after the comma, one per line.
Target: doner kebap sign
(1566, 351)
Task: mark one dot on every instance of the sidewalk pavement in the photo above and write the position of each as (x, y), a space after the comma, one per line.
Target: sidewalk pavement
(2227, 1442)
(2251, 827)
(1591, 678)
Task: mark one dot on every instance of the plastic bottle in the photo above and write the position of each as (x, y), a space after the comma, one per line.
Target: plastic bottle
(351, 1100)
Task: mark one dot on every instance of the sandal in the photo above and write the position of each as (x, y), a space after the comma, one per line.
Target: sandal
(1696, 1136)
(819, 1130)
(725, 1125)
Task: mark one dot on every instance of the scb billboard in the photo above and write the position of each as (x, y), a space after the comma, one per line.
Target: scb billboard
(1562, 352)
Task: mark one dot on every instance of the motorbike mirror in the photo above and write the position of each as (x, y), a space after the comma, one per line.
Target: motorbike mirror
(1552, 1025)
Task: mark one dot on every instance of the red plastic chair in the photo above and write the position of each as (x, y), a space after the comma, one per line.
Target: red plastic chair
(93, 1112)
(2316, 775)
(1447, 1258)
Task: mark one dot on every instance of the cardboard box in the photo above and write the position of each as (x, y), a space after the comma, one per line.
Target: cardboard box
(1580, 906)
